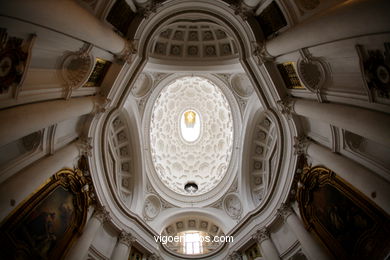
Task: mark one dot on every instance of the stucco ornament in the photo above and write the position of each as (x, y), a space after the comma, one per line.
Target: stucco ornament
(191, 135)
(152, 207)
(233, 206)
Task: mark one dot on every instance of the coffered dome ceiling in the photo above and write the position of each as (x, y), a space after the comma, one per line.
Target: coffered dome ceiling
(191, 135)
(193, 40)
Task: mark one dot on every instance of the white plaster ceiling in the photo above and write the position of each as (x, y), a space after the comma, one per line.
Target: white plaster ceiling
(194, 40)
(204, 161)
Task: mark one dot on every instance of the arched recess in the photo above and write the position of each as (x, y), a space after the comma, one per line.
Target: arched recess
(252, 111)
(122, 155)
(261, 151)
(193, 223)
(220, 13)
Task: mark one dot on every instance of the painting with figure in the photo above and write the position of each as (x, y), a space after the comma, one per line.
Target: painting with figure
(342, 218)
(347, 222)
(46, 225)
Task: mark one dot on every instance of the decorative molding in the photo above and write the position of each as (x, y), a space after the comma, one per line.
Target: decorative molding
(218, 204)
(85, 146)
(335, 138)
(234, 187)
(121, 154)
(150, 8)
(300, 144)
(203, 96)
(128, 52)
(226, 77)
(32, 141)
(76, 67)
(165, 204)
(84, 172)
(307, 5)
(15, 56)
(312, 72)
(263, 150)
(242, 10)
(241, 86)
(94, 254)
(233, 206)
(261, 235)
(152, 207)
(101, 214)
(51, 138)
(261, 53)
(101, 106)
(153, 257)
(286, 105)
(235, 256)
(194, 40)
(149, 188)
(296, 184)
(126, 238)
(284, 211)
(353, 141)
(375, 66)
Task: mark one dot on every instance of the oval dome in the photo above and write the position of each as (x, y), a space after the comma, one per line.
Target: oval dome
(191, 135)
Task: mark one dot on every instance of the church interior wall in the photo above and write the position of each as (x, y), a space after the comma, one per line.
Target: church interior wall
(340, 77)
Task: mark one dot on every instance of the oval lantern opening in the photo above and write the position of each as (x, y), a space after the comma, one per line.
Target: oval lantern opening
(190, 125)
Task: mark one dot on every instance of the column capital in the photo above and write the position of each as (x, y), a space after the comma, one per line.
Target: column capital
(242, 10)
(101, 105)
(261, 53)
(128, 52)
(153, 257)
(85, 146)
(285, 210)
(235, 256)
(101, 214)
(286, 105)
(301, 143)
(126, 238)
(261, 235)
(149, 8)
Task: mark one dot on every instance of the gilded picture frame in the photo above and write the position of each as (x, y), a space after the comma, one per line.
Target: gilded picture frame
(46, 224)
(349, 224)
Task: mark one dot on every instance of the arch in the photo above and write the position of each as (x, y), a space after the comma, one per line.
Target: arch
(244, 36)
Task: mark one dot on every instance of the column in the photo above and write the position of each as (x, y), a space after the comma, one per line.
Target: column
(266, 245)
(25, 182)
(360, 177)
(371, 124)
(81, 246)
(252, 3)
(235, 256)
(22, 120)
(123, 246)
(310, 246)
(348, 19)
(66, 17)
(153, 257)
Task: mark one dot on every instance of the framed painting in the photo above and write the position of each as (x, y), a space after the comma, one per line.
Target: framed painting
(347, 223)
(47, 223)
